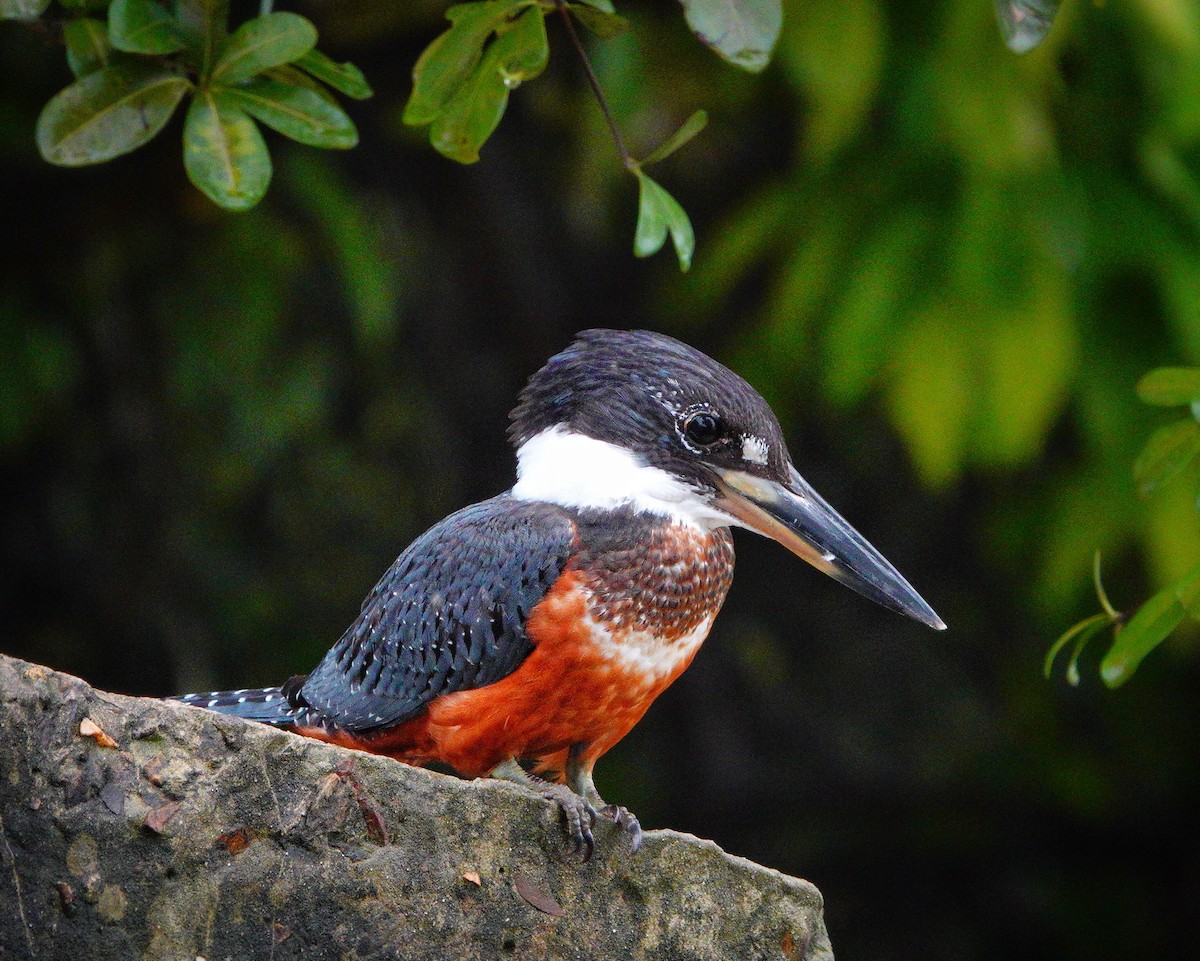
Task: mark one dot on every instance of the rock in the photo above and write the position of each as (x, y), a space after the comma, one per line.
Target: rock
(203, 836)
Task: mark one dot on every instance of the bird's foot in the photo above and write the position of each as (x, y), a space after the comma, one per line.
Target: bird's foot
(626, 820)
(579, 815)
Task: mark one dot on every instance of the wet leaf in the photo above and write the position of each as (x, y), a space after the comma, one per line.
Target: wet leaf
(296, 112)
(1170, 386)
(519, 53)
(445, 64)
(691, 127)
(88, 49)
(536, 897)
(142, 26)
(107, 113)
(224, 152)
(89, 728)
(22, 9)
(1168, 451)
(343, 77)
(1149, 627)
(659, 214)
(1025, 23)
(741, 31)
(262, 43)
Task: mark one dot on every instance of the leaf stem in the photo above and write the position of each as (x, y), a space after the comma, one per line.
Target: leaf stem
(593, 80)
(265, 7)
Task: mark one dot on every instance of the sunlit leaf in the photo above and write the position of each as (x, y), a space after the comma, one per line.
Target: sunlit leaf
(603, 23)
(1081, 633)
(741, 31)
(519, 53)
(659, 214)
(142, 26)
(262, 43)
(1170, 386)
(107, 113)
(343, 77)
(1149, 627)
(224, 152)
(857, 337)
(1168, 451)
(932, 390)
(296, 112)
(446, 63)
(836, 52)
(1025, 23)
(691, 127)
(87, 43)
(22, 9)
(1029, 358)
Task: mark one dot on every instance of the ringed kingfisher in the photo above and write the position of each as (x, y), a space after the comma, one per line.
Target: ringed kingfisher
(540, 625)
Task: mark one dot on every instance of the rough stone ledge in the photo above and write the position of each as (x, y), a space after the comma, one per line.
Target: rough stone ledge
(201, 836)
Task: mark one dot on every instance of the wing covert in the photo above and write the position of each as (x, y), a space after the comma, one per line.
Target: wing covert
(449, 614)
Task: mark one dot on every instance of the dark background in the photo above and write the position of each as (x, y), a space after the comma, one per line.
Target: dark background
(944, 265)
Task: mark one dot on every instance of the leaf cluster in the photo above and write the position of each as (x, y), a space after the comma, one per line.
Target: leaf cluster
(135, 61)
(1170, 451)
(463, 78)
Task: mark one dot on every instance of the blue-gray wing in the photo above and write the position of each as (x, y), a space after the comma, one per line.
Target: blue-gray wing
(449, 615)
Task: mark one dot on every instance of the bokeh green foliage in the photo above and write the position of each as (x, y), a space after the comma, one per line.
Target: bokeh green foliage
(946, 265)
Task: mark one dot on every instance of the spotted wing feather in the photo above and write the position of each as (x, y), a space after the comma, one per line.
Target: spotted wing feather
(449, 615)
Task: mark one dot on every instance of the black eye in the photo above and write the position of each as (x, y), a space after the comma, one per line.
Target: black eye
(702, 428)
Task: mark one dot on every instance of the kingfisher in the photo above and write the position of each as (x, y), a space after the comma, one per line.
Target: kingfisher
(524, 636)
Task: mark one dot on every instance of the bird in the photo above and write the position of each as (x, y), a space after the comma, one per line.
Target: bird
(522, 637)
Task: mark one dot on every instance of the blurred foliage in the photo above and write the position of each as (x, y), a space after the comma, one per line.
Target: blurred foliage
(1169, 452)
(946, 266)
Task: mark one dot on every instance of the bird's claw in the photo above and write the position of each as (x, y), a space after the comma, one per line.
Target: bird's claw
(579, 815)
(626, 820)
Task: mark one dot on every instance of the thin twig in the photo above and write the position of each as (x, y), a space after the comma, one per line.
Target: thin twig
(626, 157)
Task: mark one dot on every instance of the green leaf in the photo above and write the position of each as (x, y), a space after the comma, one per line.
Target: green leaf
(445, 64)
(87, 43)
(692, 126)
(107, 113)
(1025, 23)
(836, 54)
(1149, 627)
(204, 26)
(517, 54)
(742, 31)
(343, 77)
(1170, 386)
(224, 152)
(296, 112)
(142, 26)
(932, 392)
(1081, 633)
(658, 214)
(1168, 451)
(262, 43)
(22, 9)
(888, 271)
(604, 6)
(603, 23)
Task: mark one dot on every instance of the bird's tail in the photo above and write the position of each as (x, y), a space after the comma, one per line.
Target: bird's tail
(270, 705)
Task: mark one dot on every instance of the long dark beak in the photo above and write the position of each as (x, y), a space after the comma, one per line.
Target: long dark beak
(797, 517)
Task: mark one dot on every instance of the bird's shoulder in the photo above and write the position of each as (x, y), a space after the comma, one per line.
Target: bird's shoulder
(448, 615)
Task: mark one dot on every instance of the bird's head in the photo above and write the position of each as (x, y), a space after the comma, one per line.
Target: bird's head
(638, 418)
